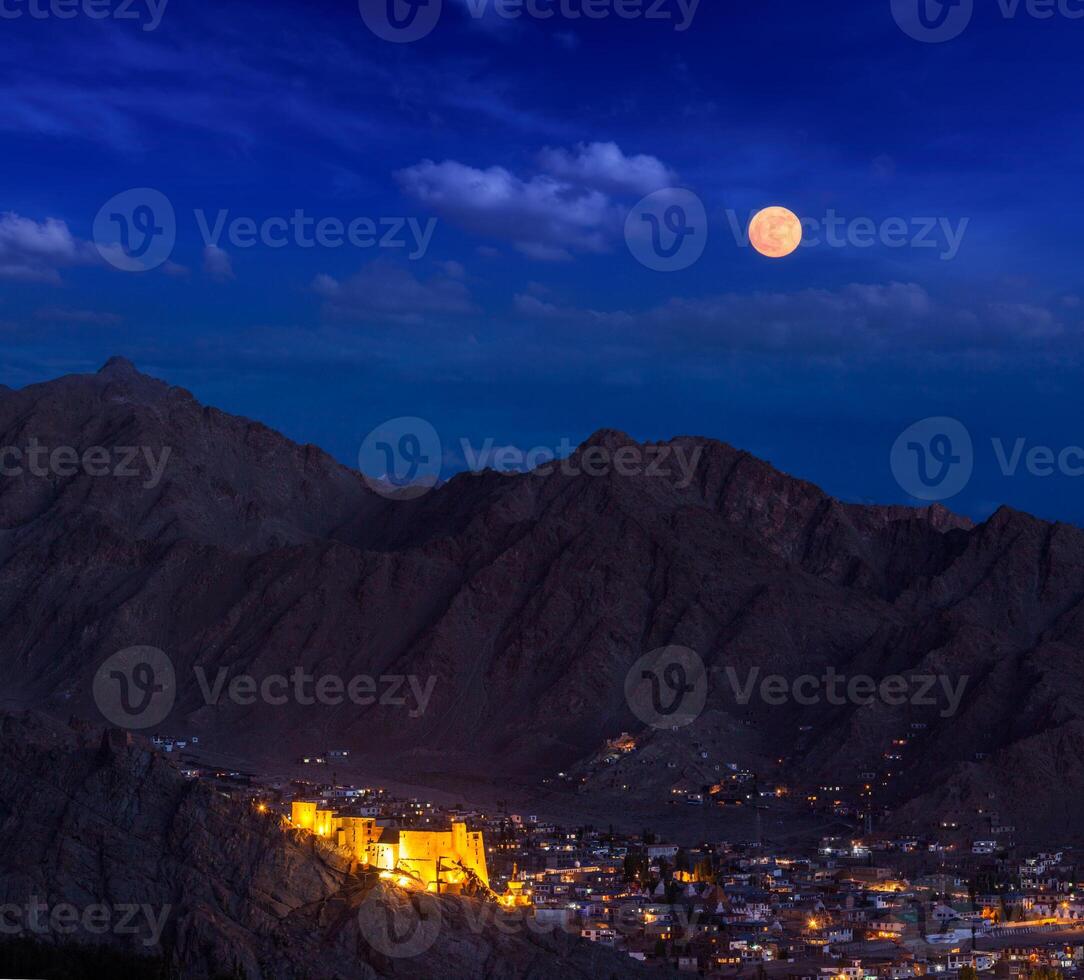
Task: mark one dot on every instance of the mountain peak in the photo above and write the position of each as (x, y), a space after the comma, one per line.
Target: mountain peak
(119, 367)
(610, 438)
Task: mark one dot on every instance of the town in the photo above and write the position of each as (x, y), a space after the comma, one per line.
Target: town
(862, 905)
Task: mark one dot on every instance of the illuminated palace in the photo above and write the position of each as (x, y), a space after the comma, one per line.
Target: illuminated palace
(438, 861)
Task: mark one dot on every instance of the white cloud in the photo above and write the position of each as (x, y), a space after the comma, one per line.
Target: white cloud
(540, 211)
(857, 319)
(34, 251)
(65, 314)
(453, 269)
(175, 270)
(605, 167)
(384, 291)
(217, 263)
(534, 307)
(573, 207)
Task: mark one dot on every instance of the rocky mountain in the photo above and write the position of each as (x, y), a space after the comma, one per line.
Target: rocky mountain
(111, 846)
(518, 605)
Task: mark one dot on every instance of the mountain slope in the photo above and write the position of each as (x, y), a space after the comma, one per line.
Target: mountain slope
(210, 885)
(529, 597)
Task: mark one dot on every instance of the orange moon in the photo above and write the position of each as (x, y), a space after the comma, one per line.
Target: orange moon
(775, 232)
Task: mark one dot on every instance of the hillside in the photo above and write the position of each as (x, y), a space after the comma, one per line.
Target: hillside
(527, 599)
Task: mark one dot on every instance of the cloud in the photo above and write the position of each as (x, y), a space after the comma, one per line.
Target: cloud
(858, 319)
(572, 206)
(532, 306)
(67, 315)
(542, 216)
(33, 251)
(453, 269)
(385, 291)
(176, 270)
(604, 167)
(217, 263)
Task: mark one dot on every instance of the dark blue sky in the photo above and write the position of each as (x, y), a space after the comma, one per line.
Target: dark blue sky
(526, 319)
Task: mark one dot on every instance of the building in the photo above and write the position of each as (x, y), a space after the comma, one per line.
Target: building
(443, 861)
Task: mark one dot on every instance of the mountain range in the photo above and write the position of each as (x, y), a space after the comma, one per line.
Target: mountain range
(521, 601)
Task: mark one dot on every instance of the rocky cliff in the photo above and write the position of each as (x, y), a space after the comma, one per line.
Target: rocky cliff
(112, 846)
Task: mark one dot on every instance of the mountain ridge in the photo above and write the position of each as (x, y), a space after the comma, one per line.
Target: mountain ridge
(528, 597)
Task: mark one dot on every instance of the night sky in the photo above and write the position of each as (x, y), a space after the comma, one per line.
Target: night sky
(522, 145)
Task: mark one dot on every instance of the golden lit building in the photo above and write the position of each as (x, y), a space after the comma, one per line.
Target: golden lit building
(448, 857)
(325, 823)
(303, 815)
(433, 860)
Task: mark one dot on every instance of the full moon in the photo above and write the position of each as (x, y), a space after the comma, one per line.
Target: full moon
(775, 232)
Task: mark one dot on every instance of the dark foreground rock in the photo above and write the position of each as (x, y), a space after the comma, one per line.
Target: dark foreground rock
(105, 843)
